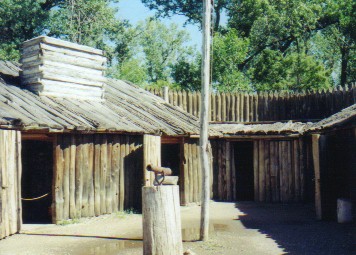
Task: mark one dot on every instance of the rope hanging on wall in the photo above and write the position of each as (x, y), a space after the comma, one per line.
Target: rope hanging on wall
(36, 198)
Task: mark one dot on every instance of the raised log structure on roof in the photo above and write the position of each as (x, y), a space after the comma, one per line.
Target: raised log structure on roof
(57, 68)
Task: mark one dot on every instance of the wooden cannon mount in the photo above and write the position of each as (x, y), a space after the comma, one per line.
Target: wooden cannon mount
(163, 175)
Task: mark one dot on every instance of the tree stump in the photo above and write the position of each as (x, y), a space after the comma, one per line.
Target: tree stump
(161, 220)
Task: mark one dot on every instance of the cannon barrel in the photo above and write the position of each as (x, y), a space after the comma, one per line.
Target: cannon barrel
(160, 170)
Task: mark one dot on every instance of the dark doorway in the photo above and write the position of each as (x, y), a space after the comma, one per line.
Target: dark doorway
(244, 171)
(37, 172)
(337, 163)
(170, 157)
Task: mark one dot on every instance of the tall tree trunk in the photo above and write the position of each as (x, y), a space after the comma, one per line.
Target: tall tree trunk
(345, 51)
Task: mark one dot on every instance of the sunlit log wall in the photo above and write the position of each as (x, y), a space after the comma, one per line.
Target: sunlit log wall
(96, 174)
(191, 175)
(280, 170)
(10, 183)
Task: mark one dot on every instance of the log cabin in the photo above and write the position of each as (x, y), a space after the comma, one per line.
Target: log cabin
(284, 162)
(74, 143)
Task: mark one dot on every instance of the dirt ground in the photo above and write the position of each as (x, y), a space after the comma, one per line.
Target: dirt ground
(241, 228)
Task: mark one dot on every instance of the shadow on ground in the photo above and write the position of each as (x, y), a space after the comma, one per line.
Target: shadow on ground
(294, 229)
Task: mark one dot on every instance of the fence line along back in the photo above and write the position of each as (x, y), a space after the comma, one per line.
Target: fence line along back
(265, 106)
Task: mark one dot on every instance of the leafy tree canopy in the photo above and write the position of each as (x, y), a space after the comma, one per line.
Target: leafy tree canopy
(191, 9)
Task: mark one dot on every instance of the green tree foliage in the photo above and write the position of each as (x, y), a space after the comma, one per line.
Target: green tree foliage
(286, 25)
(191, 9)
(187, 73)
(229, 51)
(273, 71)
(161, 46)
(154, 54)
(131, 70)
(88, 22)
(20, 20)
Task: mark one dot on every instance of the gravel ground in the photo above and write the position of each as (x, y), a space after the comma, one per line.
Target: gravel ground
(242, 228)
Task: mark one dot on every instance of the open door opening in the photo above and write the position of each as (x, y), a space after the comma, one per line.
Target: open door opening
(37, 173)
(170, 154)
(244, 171)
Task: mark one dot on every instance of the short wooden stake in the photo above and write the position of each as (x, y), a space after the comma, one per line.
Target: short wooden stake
(161, 220)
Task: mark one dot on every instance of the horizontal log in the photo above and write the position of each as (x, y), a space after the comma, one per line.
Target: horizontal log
(37, 59)
(78, 61)
(68, 72)
(59, 66)
(28, 50)
(70, 52)
(48, 71)
(62, 43)
(159, 169)
(72, 87)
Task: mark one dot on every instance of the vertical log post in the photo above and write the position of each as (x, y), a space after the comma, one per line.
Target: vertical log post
(166, 94)
(316, 161)
(204, 118)
(161, 220)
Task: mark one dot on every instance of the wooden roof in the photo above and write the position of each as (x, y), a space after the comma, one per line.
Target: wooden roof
(287, 128)
(277, 128)
(9, 68)
(338, 119)
(127, 109)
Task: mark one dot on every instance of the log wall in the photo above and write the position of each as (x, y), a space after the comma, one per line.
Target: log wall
(279, 170)
(191, 175)
(96, 174)
(10, 183)
(265, 106)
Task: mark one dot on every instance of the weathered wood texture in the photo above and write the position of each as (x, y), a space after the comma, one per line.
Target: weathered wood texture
(316, 160)
(96, 174)
(151, 156)
(278, 168)
(10, 183)
(127, 108)
(264, 106)
(162, 233)
(190, 180)
(53, 67)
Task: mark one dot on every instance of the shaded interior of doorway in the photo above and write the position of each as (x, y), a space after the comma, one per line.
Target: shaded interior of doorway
(37, 173)
(170, 157)
(244, 171)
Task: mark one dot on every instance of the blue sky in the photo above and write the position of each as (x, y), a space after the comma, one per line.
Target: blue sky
(134, 11)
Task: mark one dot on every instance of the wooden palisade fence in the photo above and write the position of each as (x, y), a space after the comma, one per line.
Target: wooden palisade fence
(265, 106)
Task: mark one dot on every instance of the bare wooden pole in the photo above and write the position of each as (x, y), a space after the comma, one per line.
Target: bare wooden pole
(204, 118)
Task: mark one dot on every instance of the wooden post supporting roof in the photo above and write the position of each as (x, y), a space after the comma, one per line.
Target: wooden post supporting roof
(316, 160)
(151, 155)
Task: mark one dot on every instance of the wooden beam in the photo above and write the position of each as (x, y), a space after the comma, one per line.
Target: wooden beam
(316, 161)
(37, 137)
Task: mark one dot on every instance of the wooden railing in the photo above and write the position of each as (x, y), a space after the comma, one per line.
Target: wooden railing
(264, 106)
